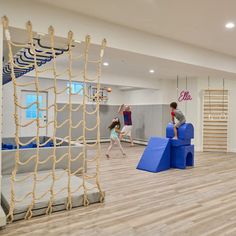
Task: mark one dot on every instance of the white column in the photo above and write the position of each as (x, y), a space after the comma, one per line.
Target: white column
(2, 214)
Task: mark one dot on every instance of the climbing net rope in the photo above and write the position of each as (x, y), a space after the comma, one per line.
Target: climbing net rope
(82, 124)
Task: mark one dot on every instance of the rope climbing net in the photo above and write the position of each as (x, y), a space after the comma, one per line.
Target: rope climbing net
(93, 177)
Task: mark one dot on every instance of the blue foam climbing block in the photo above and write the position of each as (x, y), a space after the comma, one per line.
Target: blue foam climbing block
(30, 145)
(185, 131)
(180, 142)
(49, 144)
(170, 131)
(182, 156)
(3, 146)
(9, 146)
(156, 156)
(34, 145)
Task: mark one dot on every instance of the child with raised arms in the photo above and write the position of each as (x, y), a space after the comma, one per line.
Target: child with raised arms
(114, 136)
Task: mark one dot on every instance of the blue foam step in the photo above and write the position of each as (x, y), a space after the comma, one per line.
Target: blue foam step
(182, 156)
(180, 142)
(8, 146)
(156, 156)
(170, 131)
(185, 131)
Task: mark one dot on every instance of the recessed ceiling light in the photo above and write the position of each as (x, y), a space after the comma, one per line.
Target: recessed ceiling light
(229, 25)
(151, 71)
(105, 63)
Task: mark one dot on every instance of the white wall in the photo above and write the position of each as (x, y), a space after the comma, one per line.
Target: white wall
(8, 130)
(192, 109)
(106, 78)
(216, 83)
(1, 53)
(131, 40)
(163, 95)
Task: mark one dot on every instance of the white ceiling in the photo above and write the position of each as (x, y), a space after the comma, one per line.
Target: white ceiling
(197, 22)
(123, 63)
(129, 64)
(133, 65)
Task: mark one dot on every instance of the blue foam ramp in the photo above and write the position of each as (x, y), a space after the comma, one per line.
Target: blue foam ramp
(185, 131)
(182, 156)
(156, 156)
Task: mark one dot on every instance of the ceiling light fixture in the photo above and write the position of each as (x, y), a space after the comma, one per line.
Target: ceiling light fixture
(151, 71)
(105, 63)
(230, 25)
(77, 41)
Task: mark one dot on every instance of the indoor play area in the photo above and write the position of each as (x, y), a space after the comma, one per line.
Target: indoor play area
(117, 124)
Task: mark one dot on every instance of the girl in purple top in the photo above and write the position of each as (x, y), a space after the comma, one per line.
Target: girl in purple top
(127, 129)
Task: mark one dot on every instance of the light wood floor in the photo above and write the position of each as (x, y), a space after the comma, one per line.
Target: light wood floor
(198, 201)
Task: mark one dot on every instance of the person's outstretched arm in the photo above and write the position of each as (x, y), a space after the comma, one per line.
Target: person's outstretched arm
(173, 117)
(121, 108)
(117, 130)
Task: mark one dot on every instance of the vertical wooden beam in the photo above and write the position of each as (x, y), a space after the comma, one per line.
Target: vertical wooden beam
(1, 57)
(2, 215)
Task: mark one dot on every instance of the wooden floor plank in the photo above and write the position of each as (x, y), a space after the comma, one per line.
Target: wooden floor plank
(196, 201)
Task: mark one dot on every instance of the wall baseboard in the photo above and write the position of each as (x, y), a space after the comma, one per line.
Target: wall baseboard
(232, 150)
(104, 140)
(143, 142)
(140, 142)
